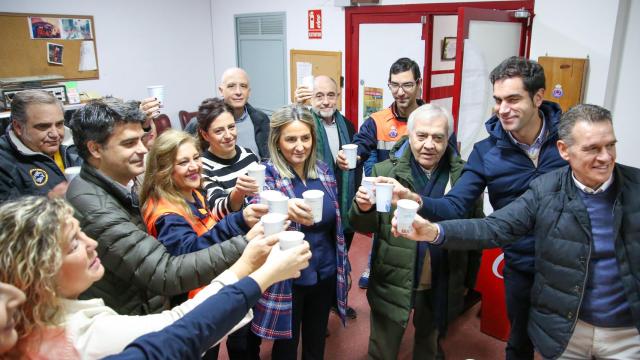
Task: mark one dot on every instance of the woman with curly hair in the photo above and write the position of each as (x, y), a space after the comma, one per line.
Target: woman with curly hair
(44, 253)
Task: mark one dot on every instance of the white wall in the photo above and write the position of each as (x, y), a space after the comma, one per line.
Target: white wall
(142, 43)
(223, 12)
(625, 112)
(577, 28)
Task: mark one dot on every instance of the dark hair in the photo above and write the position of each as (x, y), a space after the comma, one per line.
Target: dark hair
(581, 112)
(23, 99)
(208, 111)
(96, 121)
(531, 73)
(405, 64)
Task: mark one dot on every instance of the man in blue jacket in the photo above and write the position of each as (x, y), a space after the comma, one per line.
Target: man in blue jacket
(32, 157)
(520, 147)
(585, 301)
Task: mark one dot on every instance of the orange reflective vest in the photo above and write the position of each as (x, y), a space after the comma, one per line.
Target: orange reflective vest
(388, 129)
(155, 209)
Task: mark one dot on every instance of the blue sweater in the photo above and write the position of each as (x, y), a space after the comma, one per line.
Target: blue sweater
(192, 335)
(321, 237)
(604, 302)
(506, 171)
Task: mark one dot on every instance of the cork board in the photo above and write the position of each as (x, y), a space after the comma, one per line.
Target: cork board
(327, 63)
(23, 56)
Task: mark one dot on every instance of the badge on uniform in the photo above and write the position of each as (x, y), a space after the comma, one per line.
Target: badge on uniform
(393, 132)
(39, 176)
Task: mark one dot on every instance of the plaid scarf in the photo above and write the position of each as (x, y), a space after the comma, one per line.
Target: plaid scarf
(272, 314)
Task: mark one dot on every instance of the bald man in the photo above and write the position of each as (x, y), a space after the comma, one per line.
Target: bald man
(252, 124)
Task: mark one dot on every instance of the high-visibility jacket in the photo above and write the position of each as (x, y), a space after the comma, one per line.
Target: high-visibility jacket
(157, 208)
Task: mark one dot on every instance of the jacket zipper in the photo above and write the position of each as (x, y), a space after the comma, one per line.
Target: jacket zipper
(584, 286)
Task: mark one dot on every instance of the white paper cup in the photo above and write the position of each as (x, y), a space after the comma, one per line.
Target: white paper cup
(267, 194)
(407, 210)
(313, 198)
(71, 172)
(369, 184)
(277, 201)
(384, 192)
(273, 223)
(289, 239)
(256, 171)
(351, 152)
(157, 91)
(307, 82)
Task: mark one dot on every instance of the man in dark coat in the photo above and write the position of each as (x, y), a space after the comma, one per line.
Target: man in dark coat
(585, 219)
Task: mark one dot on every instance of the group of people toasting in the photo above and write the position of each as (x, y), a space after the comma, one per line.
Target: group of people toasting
(162, 246)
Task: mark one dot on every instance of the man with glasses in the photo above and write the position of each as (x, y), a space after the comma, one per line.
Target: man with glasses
(334, 130)
(380, 131)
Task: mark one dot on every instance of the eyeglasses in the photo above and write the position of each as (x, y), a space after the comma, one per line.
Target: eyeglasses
(407, 87)
(321, 96)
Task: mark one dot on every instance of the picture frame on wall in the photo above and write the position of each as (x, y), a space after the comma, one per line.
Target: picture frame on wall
(448, 48)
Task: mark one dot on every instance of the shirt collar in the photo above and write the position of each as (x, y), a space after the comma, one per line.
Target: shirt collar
(538, 142)
(244, 115)
(589, 190)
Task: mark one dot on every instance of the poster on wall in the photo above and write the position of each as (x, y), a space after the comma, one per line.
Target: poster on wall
(76, 29)
(44, 27)
(372, 101)
(54, 53)
(314, 24)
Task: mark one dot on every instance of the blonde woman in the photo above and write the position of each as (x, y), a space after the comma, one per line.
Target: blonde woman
(173, 207)
(293, 169)
(45, 254)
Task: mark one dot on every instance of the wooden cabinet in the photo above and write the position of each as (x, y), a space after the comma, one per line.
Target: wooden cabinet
(565, 79)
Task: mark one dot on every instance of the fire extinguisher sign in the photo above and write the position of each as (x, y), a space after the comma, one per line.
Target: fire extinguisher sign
(314, 24)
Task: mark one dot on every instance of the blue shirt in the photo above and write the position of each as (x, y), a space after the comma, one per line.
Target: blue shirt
(321, 237)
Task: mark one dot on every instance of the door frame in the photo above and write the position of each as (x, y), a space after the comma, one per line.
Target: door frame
(354, 16)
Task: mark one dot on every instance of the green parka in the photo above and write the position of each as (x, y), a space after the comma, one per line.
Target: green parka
(393, 258)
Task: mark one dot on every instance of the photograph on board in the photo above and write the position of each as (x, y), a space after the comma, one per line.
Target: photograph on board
(54, 53)
(44, 27)
(76, 29)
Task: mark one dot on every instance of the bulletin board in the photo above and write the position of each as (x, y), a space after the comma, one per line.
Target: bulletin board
(327, 63)
(23, 56)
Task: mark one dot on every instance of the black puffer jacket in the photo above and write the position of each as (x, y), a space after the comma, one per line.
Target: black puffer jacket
(138, 268)
(554, 210)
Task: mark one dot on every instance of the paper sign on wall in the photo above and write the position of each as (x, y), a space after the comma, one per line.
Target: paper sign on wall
(314, 24)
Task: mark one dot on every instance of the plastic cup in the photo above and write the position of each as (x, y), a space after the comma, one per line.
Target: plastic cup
(157, 91)
(313, 198)
(307, 82)
(256, 171)
(384, 193)
(273, 223)
(277, 201)
(351, 152)
(369, 184)
(71, 172)
(407, 210)
(289, 239)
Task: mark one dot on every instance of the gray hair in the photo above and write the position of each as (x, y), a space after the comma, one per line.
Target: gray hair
(428, 112)
(581, 112)
(23, 99)
(96, 121)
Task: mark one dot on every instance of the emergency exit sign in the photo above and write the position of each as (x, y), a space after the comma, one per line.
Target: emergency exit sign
(314, 24)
